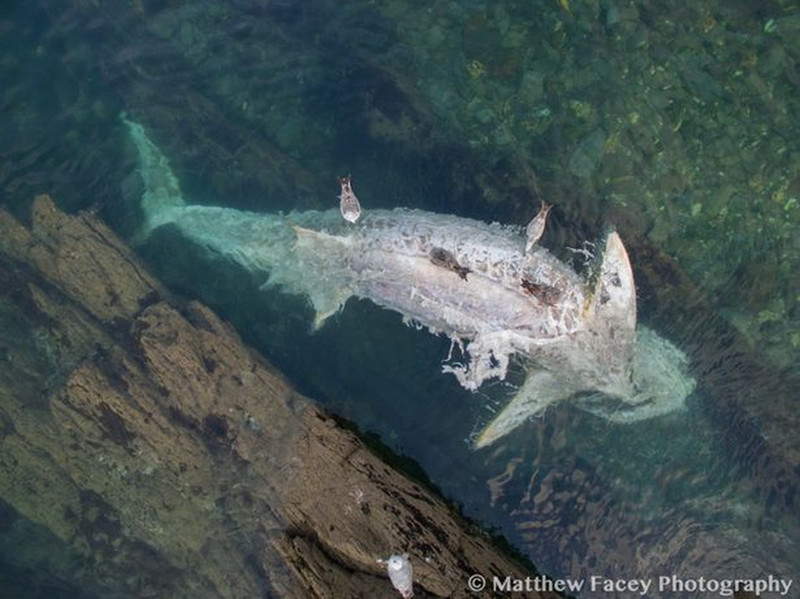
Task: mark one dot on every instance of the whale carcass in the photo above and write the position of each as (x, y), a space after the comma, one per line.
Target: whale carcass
(474, 282)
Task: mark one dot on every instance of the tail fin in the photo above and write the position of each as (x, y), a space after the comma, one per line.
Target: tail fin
(162, 191)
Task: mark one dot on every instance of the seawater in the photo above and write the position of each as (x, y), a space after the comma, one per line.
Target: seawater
(482, 110)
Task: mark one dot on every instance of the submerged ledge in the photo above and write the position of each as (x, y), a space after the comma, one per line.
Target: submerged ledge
(172, 460)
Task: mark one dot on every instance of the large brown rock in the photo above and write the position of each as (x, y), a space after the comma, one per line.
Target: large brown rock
(175, 461)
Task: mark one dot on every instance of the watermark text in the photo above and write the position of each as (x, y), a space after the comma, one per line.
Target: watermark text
(664, 585)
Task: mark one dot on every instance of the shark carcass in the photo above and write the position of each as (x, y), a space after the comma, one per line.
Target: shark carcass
(474, 282)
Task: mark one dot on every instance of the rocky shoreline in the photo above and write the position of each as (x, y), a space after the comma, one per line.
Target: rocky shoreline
(162, 457)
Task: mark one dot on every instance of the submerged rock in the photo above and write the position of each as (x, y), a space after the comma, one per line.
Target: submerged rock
(588, 153)
(149, 439)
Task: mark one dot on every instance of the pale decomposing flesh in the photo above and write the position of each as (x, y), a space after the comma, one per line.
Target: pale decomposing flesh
(470, 280)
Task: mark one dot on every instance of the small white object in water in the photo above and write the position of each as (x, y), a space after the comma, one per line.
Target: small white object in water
(401, 574)
(349, 205)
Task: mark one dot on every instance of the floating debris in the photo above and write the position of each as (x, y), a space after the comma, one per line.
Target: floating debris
(401, 574)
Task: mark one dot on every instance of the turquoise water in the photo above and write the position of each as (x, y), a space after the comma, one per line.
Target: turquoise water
(676, 123)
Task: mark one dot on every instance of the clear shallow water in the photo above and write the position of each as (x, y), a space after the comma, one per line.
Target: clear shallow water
(260, 108)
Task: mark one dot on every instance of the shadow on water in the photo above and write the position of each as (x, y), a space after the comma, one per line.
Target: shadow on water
(260, 106)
